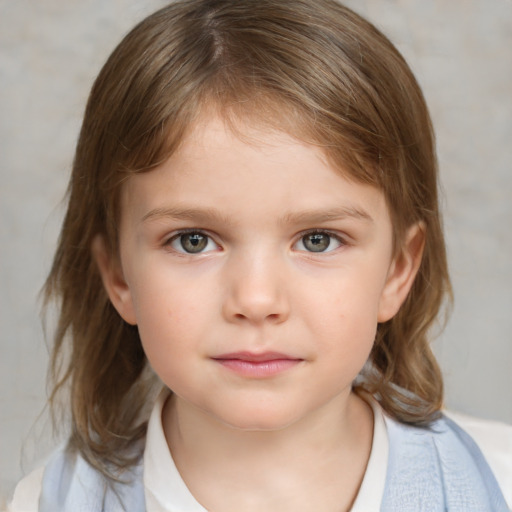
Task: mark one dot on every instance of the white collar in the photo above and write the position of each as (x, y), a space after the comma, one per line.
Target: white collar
(165, 490)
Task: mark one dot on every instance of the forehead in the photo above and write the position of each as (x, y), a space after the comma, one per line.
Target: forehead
(215, 141)
(248, 174)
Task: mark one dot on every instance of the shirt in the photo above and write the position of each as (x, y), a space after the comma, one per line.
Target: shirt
(165, 490)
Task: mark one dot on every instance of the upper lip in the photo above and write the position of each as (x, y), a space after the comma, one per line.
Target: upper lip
(255, 357)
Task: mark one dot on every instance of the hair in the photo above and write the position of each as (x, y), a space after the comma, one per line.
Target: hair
(315, 70)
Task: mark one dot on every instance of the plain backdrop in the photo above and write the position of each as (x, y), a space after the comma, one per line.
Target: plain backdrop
(461, 52)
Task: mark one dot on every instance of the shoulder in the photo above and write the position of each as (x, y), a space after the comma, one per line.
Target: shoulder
(27, 492)
(444, 462)
(69, 482)
(495, 441)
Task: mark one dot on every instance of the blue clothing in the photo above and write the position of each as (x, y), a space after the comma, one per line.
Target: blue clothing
(436, 469)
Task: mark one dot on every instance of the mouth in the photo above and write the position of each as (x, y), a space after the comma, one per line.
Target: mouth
(250, 364)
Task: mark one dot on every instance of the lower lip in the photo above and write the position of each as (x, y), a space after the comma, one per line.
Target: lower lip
(258, 369)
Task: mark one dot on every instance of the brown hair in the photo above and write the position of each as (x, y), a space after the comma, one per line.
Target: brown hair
(314, 69)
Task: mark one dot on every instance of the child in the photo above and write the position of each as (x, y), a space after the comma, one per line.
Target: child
(253, 217)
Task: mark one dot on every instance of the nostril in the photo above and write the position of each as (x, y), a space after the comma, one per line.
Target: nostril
(272, 317)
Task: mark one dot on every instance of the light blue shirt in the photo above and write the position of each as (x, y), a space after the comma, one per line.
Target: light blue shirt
(439, 469)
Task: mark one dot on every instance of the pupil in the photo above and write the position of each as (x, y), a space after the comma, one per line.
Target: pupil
(194, 242)
(317, 242)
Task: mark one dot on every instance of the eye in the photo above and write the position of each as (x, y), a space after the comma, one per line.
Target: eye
(319, 241)
(192, 242)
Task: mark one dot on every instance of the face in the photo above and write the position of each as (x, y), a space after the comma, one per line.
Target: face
(256, 274)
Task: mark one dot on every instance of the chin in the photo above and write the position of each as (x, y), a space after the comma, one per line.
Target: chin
(258, 420)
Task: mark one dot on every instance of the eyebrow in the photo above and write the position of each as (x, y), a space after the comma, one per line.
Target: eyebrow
(313, 216)
(196, 214)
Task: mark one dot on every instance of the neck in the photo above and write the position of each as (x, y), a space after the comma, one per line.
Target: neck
(308, 460)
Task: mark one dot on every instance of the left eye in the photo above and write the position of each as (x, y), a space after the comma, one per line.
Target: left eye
(318, 241)
(194, 242)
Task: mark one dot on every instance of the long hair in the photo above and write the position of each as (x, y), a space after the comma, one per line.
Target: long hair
(313, 69)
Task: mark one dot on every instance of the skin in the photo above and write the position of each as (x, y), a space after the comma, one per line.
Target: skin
(257, 204)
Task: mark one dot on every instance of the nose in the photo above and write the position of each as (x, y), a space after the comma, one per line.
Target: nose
(256, 290)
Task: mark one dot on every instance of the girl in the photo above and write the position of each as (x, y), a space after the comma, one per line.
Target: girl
(253, 222)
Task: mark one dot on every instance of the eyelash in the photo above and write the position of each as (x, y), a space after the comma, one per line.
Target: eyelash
(299, 240)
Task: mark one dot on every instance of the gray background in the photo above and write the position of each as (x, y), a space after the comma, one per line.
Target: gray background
(461, 52)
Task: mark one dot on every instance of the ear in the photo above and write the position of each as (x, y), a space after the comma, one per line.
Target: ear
(113, 280)
(402, 271)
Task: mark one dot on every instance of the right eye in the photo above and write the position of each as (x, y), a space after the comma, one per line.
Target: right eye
(193, 242)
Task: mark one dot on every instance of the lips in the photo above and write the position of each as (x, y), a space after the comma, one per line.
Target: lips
(250, 364)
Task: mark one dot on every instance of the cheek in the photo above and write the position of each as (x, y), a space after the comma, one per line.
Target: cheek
(164, 297)
(345, 318)
(348, 299)
(171, 341)
(169, 317)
